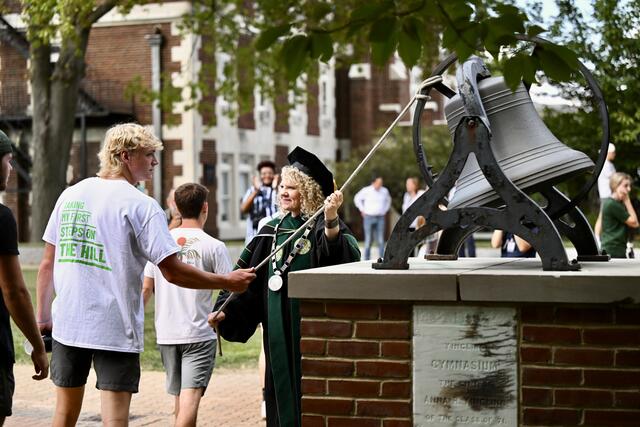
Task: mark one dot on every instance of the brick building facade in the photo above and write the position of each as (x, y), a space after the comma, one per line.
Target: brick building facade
(343, 109)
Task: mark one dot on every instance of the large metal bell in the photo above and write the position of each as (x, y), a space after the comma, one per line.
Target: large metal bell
(528, 153)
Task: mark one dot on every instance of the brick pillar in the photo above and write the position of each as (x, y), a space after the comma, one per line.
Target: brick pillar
(356, 364)
(209, 159)
(580, 365)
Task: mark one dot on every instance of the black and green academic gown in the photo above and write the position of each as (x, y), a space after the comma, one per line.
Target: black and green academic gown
(280, 315)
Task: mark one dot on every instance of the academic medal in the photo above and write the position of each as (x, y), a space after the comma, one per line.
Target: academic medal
(304, 244)
(275, 282)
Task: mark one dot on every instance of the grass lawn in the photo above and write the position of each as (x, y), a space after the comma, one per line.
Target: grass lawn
(235, 354)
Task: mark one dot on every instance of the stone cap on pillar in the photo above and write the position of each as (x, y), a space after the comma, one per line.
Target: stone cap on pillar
(472, 280)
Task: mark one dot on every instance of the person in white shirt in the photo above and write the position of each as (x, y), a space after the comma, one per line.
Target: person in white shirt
(100, 235)
(374, 202)
(604, 189)
(187, 344)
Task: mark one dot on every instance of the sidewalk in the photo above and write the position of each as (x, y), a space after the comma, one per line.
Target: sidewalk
(232, 400)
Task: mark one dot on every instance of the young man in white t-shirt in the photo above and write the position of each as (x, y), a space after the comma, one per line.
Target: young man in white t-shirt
(101, 234)
(186, 341)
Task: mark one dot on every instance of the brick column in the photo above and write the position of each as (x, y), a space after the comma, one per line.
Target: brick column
(580, 365)
(356, 364)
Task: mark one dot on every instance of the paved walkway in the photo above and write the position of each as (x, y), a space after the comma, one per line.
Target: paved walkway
(232, 400)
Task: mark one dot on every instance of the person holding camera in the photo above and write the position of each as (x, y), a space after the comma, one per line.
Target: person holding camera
(260, 200)
(15, 300)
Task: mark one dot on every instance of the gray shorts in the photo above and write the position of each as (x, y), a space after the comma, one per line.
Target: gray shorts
(188, 365)
(115, 371)
(7, 387)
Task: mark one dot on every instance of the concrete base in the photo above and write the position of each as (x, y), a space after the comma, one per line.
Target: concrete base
(472, 280)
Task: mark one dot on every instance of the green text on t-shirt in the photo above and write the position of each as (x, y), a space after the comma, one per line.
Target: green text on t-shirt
(78, 237)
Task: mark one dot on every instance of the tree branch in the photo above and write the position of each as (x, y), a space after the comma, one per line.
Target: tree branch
(349, 23)
(101, 9)
(411, 11)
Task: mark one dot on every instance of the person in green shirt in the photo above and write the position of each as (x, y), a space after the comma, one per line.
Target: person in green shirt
(617, 215)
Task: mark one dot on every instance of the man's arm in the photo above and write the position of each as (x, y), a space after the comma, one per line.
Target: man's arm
(523, 245)
(186, 276)
(18, 302)
(387, 201)
(148, 286)
(245, 207)
(45, 288)
(358, 200)
(496, 239)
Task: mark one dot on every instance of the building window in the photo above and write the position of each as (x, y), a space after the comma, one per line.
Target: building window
(245, 168)
(226, 184)
(324, 98)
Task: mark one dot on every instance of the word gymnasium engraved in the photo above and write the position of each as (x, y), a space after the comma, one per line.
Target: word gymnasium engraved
(464, 366)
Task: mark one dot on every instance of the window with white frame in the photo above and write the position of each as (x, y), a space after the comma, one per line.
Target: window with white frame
(226, 186)
(245, 169)
(323, 98)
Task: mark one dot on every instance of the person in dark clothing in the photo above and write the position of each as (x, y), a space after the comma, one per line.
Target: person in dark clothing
(15, 300)
(260, 199)
(304, 187)
(512, 246)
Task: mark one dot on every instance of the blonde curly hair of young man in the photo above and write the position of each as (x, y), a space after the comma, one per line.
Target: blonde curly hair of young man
(120, 138)
(311, 197)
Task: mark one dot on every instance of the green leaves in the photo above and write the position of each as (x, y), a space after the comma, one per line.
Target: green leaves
(461, 33)
(371, 10)
(321, 46)
(381, 52)
(298, 49)
(294, 55)
(270, 35)
(558, 62)
(382, 29)
(409, 43)
(520, 67)
(535, 30)
(384, 39)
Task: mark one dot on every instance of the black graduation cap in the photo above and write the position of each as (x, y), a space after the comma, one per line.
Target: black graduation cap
(310, 165)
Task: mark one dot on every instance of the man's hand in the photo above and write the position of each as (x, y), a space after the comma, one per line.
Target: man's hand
(239, 280)
(275, 182)
(215, 318)
(40, 363)
(45, 327)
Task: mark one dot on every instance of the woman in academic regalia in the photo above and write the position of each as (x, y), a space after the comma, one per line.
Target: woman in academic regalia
(306, 186)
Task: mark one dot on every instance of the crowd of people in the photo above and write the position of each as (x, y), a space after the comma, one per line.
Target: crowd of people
(105, 233)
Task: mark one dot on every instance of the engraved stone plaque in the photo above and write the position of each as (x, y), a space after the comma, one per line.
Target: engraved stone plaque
(464, 366)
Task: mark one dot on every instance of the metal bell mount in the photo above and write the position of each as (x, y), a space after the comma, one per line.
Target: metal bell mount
(514, 153)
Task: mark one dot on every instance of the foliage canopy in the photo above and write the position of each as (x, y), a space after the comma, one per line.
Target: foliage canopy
(272, 43)
(606, 39)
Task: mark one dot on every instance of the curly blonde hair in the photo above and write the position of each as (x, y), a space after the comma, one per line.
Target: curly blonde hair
(311, 196)
(120, 138)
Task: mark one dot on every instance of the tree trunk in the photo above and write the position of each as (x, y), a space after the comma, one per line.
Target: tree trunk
(54, 99)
